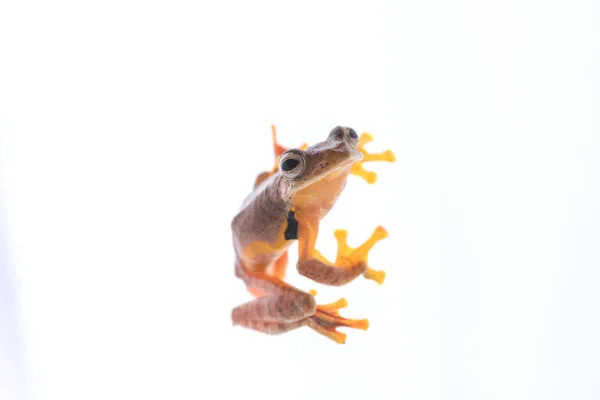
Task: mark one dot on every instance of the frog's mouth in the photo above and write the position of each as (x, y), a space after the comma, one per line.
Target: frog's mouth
(329, 180)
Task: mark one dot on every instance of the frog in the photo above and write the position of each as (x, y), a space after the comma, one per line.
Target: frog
(285, 207)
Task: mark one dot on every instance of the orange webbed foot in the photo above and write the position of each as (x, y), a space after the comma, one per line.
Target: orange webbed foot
(347, 254)
(327, 319)
(358, 170)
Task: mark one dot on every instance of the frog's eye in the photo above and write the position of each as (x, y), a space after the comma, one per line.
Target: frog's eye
(351, 136)
(291, 163)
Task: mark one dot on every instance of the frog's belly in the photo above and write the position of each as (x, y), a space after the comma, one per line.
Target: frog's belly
(258, 256)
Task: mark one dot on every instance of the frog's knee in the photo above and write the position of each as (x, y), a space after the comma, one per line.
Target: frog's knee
(309, 304)
(301, 306)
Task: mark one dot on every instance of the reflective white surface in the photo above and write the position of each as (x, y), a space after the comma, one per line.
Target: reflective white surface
(132, 131)
(12, 359)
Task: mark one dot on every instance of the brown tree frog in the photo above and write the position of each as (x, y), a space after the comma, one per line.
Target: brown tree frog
(286, 206)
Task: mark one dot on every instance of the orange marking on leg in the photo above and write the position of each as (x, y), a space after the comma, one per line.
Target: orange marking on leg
(279, 266)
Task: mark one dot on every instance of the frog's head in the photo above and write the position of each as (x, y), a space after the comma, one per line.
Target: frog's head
(315, 177)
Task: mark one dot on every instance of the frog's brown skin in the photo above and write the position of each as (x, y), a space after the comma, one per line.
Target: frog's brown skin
(287, 205)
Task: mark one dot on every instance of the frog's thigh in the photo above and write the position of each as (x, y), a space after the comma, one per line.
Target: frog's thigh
(240, 272)
(272, 328)
(286, 306)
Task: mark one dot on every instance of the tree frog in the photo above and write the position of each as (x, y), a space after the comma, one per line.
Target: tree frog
(285, 207)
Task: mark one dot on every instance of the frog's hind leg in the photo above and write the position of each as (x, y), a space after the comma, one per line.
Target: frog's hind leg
(324, 321)
(283, 308)
(276, 269)
(327, 318)
(280, 304)
(268, 315)
(279, 266)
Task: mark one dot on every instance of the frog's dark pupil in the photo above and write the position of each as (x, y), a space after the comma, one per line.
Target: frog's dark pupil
(289, 164)
(353, 134)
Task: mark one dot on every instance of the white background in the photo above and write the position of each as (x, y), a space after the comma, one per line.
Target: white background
(132, 131)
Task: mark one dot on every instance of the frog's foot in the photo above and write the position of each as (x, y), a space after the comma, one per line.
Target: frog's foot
(354, 256)
(357, 168)
(327, 318)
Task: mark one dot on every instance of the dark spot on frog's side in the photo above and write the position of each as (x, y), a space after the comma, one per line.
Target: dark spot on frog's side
(291, 232)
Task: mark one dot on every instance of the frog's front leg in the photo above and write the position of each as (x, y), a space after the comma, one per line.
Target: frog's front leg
(349, 264)
(357, 168)
(278, 150)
